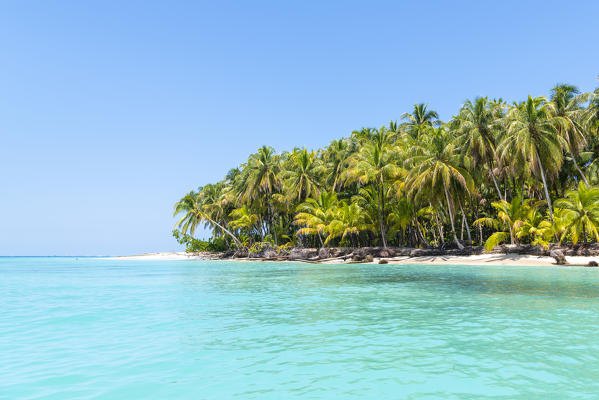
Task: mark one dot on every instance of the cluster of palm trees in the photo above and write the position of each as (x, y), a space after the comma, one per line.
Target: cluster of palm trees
(496, 172)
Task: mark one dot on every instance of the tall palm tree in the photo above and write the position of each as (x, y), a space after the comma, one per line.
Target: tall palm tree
(335, 158)
(301, 179)
(531, 138)
(592, 112)
(436, 167)
(261, 174)
(581, 212)
(374, 164)
(420, 120)
(566, 106)
(478, 125)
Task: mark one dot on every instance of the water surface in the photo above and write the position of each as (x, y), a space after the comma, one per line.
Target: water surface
(112, 329)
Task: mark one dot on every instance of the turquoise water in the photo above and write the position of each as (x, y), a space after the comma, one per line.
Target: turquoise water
(104, 329)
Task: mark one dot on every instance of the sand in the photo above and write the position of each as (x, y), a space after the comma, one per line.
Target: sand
(481, 259)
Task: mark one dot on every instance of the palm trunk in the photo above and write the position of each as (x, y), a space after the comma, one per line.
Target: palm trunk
(455, 236)
(465, 220)
(480, 228)
(584, 178)
(421, 235)
(381, 225)
(237, 242)
(550, 207)
(440, 228)
(495, 182)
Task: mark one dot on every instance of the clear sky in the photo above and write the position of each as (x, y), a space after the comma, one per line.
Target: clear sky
(110, 111)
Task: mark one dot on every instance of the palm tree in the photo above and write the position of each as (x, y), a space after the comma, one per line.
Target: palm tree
(335, 158)
(581, 212)
(374, 164)
(301, 179)
(243, 219)
(216, 204)
(592, 112)
(535, 227)
(566, 106)
(194, 214)
(436, 167)
(478, 125)
(509, 217)
(316, 214)
(420, 120)
(261, 174)
(404, 216)
(348, 222)
(532, 139)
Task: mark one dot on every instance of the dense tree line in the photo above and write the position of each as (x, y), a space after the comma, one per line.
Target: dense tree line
(496, 172)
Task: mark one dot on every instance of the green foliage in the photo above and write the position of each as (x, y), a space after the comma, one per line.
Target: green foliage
(413, 182)
(193, 245)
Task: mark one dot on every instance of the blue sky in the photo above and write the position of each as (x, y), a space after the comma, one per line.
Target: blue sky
(111, 111)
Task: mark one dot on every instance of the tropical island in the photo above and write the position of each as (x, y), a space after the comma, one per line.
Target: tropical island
(497, 177)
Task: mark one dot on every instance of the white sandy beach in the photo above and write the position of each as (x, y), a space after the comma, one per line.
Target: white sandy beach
(165, 256)
(481, 259)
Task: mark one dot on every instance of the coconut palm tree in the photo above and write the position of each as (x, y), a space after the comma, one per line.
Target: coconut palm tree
(194, 214)
(591, 114)
(419, 120)
(261, 174)
(244, 219)
(566, 107)
(302, 176)
(335, 159)
(581, 213)
(532, 139)
(375, 165)
(347, 224)
(535, 227)
(478, 125)
(436, 169)
(509, 217)
(316, 214)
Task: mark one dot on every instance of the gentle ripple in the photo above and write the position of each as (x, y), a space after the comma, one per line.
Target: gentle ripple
(111, 329)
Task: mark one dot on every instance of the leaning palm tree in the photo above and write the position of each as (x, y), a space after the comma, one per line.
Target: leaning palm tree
(436, 169)
(581, 213)
(419, 120)
(532, 139)
(478, 125)
(194, 213)
(566, 106)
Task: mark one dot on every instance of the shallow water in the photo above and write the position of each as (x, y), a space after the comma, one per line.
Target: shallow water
(111, 329)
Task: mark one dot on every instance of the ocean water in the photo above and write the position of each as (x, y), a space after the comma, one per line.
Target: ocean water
(111, 329)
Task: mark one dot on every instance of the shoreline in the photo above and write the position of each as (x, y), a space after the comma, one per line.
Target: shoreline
(513, 259)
